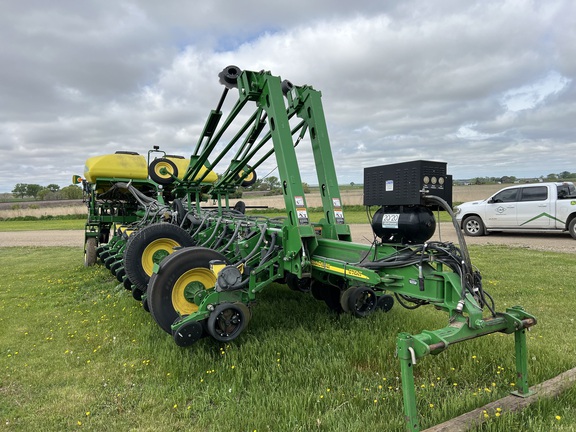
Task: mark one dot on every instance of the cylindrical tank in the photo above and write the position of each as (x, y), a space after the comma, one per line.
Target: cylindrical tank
(406, 224)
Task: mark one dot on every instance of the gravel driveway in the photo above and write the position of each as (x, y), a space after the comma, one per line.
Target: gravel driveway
(362, 233)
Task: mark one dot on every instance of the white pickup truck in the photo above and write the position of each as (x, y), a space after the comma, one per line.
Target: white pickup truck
(535, 207)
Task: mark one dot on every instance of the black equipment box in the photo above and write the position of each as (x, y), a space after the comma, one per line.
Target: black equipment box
(403, 183)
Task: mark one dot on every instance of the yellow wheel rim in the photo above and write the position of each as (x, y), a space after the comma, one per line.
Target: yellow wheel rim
(166, 174)
(187, 285)
(156, 252)
(249, 177)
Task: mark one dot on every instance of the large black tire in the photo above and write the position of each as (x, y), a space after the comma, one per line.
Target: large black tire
(572, 228)
(166, 290)
(151, 245)
(90, 252)
(155, 171)
(473, 226)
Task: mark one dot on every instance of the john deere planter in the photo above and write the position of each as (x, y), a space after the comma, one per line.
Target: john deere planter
(200, 270)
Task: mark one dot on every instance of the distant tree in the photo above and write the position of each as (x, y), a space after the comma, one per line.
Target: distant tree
(258, 184)
(305, 187)
(552, 177)
(71, 192)
(272, 182)
(352, 184)
(42, 195)
(19, 190)
(33, 189)
(53, 187)
(47, 195)
(564, 175)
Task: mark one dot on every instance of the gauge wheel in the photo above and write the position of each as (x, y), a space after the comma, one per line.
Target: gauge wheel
(296, 284)
(385, 302)
(473, 226)
(127, 284)
(227, 321)
(329, 293)
(362, 301)
(149, 246)
(171, 291)
(120, 274)
(187, 334)
(115, 266)
(137, 294)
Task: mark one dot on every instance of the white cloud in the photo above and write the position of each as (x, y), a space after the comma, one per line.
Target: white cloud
(476, 84)
(531, 95)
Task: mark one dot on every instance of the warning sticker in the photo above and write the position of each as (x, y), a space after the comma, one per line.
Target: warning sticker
(339, 216)
(302, 216)
(390, 220)
(336, 202)
(389, 185)
(299, 200)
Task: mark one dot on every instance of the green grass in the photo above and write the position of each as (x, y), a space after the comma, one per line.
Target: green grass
(46, 224)
(77, 352)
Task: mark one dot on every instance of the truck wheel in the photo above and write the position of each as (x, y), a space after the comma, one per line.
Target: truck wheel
(572, 228)
(473, 226)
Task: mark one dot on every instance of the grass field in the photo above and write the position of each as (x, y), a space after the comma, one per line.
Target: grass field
(77, 352)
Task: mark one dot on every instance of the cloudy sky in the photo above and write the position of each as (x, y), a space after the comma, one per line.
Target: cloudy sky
(486, 86)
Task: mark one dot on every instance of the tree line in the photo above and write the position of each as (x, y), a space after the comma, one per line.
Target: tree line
(270, 184)
(46, 193)
(552, 177)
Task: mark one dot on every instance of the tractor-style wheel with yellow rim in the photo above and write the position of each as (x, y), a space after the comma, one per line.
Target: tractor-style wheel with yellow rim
(149, 246)
(163, 171)
(250, 179)
(181, 281)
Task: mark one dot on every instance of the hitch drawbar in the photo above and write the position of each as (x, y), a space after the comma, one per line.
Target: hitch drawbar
(411, 348)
